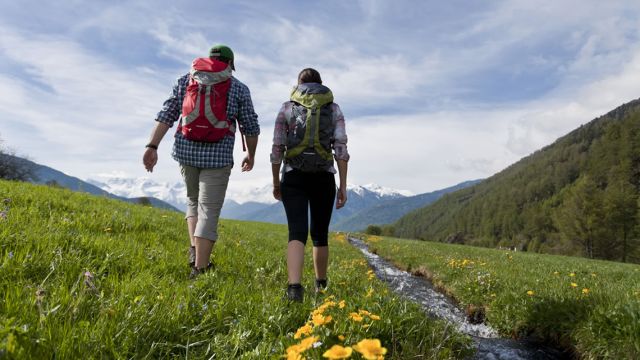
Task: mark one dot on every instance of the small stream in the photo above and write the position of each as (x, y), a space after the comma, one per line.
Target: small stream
(490, 346)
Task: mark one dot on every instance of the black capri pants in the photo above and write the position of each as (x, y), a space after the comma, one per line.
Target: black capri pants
(304, 191)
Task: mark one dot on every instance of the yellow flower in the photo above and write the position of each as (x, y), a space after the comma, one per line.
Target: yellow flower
(304, 330)
(530, 292)
(572, 274)
(574, 285)
(342, 304)
(320, 319)
(364, 312)
(341, 337)
(374, 317)
(338, 352)
(585, 291)
(294, 355)
(371, 349)
(303, 345)
(355, 317)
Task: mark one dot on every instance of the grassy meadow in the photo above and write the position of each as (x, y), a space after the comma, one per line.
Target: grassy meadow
(590, 306)
(88, 277)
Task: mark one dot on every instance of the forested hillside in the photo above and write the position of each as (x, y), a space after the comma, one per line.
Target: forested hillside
(578, 196)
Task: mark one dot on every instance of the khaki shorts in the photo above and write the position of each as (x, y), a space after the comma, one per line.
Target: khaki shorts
(206, 189)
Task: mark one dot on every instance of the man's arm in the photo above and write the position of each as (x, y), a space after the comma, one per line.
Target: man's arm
(150, 157)
(252, 143)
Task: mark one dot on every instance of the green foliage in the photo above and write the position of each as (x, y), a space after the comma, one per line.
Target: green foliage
(590, 306)
(373, 230)
(577, 196)
(88, 277)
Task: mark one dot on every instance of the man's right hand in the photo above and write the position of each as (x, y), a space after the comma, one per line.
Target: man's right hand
(150, 159)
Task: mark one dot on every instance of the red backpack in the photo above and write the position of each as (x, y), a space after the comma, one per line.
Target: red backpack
(204, 108)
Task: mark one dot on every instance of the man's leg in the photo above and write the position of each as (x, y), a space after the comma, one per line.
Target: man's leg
(190, 175)
(213, 187)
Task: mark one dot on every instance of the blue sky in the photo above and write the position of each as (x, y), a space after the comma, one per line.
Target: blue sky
(434, 92)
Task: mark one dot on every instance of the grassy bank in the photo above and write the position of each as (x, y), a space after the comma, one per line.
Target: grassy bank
(88, 277)
(590, 306)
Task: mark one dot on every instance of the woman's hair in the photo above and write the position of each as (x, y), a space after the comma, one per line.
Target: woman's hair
(309, 75)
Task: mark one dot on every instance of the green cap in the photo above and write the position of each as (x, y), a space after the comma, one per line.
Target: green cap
(223, 52)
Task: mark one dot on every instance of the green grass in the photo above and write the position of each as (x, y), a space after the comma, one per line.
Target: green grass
(590, 306)
(89, 277)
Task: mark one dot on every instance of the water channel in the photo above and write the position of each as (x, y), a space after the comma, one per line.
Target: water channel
(489, 344)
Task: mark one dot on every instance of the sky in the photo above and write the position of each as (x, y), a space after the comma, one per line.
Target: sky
(434, 92)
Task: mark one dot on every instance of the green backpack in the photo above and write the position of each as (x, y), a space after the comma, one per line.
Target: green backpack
(311, 128)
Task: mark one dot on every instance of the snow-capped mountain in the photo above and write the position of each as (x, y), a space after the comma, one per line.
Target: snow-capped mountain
(172, 193)
(380, 191)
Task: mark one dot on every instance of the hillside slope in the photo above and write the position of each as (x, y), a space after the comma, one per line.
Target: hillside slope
(577, 196)
(82, 275)
(48, 176)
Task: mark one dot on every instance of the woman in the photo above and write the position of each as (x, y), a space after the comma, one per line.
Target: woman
(307, 128)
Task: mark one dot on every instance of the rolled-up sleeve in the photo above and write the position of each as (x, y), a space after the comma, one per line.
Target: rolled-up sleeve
(279, 135)
(247, 117)
(172, 107)
(339, 135)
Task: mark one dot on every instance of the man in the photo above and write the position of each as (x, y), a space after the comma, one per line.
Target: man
(205, 165)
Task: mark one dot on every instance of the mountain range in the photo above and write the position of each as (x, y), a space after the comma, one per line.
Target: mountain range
(367, 204)
(48, 176)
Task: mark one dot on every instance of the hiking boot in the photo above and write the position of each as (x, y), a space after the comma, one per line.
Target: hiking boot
(195, 271)
(321, 285)
(295, 292)
(192, 256)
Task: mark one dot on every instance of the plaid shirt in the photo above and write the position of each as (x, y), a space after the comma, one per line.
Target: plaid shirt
(209, 155)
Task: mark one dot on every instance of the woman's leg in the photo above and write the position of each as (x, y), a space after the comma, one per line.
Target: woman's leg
(321, 205)
(296, 204)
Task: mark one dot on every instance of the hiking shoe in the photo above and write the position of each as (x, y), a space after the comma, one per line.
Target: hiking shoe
(295, 292)
(321, 285)
(195, 271)
(192, 256)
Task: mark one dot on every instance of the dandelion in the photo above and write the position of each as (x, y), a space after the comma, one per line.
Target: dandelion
(371, 349)
(355, 317)
(574, 284)
(341, 337)
(342, 304)
(364, 312)
(572, 274)
(374, 317)
(530, 293)
(319, 319)
(303, 345)
(304, 330)
(338, 352)
(585, 291)
(294, 355)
